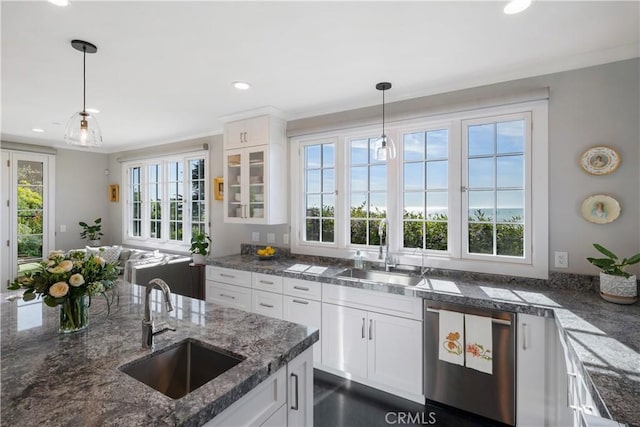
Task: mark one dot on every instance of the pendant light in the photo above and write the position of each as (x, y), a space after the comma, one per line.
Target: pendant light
(82, 129)
(385, 148)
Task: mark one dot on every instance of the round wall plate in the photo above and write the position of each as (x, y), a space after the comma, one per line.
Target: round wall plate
(600, 209)
(599, 160)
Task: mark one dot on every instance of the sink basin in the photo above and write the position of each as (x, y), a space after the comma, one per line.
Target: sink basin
(379, 277)
(182, 367)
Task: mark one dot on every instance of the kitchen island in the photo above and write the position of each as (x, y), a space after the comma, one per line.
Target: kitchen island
(51, 379)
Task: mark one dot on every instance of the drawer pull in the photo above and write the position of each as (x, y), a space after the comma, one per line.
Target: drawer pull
(295, 407)
(363, 321)
(370, 329)
(230, 276)
(299, 301)
(266, 305)
(227, 296)
(266, 282)
(301, 288)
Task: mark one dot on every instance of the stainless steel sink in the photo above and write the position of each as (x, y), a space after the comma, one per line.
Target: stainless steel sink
(181, 368)
(379, 277)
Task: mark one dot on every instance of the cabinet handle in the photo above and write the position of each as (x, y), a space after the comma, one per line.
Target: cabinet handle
(300, 301)
(370, 329)
(363, 328)
(266, 282)
(266, 305)
(525, 342)
(227, 296)
(295, 407)
(241, 140)
(230, 276)
(245, 137)
(301, 288)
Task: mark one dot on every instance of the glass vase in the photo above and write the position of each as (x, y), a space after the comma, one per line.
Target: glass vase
(74, 314)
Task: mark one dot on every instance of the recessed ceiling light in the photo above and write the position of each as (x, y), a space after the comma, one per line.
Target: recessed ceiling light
(92, 110)
(38, 130)
(516, 6)
(61, 3)
(240, 85)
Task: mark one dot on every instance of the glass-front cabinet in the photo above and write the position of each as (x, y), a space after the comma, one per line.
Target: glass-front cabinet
(245, 182)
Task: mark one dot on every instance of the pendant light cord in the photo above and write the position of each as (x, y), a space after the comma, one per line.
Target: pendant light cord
(383, 112)
(84, 79)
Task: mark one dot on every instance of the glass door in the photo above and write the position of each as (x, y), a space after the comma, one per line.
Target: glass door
(233, 182)
(256, 184)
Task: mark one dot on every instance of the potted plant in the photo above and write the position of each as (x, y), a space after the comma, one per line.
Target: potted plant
(92, 232)
(199, 246)
(616, 285)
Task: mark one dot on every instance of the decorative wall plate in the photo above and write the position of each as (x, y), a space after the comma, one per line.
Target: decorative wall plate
(599, 160)
(600, 209)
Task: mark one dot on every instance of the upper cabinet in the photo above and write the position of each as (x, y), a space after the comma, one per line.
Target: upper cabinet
(255, 171)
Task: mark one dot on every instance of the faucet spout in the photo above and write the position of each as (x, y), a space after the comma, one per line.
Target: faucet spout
(383, 232)
(147, 322)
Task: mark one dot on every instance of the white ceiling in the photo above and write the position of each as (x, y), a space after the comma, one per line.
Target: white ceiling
(163, 70)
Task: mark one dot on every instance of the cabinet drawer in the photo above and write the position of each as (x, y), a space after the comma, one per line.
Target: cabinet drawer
(380, 302)
(267, 304)
(305, 312)
(303, 288)
(229, 275)
(267, 282)
(229, 295)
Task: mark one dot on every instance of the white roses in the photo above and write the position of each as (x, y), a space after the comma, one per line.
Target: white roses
(76, 280)
(58, 289)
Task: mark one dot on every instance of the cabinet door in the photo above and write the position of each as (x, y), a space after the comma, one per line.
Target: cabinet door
(245, 185)
(395, 352)
(344, 344)
(305, 312)
(235, 177)
(256, 194)
(246, 133)
(300, 390)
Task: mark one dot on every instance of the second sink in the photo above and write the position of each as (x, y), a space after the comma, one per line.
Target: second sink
(379, 277)
(181, 368)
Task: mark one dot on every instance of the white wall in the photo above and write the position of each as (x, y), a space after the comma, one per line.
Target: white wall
(82, 194)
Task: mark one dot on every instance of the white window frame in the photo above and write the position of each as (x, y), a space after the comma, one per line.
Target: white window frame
(164, 242)
(535, 265)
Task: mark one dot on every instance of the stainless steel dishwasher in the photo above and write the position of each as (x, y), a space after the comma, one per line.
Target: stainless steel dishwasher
(488, 395)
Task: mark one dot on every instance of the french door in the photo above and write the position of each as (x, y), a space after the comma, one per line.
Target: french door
(28, 212)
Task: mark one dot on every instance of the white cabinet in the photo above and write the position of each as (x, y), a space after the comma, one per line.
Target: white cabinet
(267, 303)
(255, 172)
(228, 287)
(382, 349)
(305, 312)
(300, 390)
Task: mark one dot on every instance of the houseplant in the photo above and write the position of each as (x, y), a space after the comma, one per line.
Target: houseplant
(69, 281)
(199, 246)
(616, 285)
(92, 232)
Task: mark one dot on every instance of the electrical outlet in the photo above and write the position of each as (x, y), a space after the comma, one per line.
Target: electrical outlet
(255, 236)
(271, 237)
(561, 259)
(285, 239)
(63, 228)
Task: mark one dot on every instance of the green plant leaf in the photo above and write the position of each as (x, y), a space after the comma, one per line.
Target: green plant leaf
(50, 301)
(605, 251)
(28, 296)
(601, 262)
(634, 259)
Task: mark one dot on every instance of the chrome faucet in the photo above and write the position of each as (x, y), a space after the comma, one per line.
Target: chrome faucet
(383, 231)
(147, 323)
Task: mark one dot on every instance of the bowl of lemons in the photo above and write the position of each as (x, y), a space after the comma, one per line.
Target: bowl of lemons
(266, 253)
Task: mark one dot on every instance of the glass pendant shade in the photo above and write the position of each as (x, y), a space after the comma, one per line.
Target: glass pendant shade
(83, 130)
(385, 149)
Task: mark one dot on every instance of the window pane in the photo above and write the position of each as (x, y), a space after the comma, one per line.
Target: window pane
(436, 235)
(313, 205)
(480, 173)
(481, 139)
(328, 155)
(414, 205)
(413, 146)
(328, 205)
(437, 144)
(414, 176)
(328, 181)
(359, 178)
(413, 233)
(360, 152)
(510, 137)
(313, 181)
(313, 230)
(510, 206)
(378, 178)
(510, 171)
(359, 206)
(327, 230)
(481, 238)
(510, 239)
(359, 232)
(312, 153)
(437, 177)
(377, 205)
(374, 237)
(481, 205)
(437, 205)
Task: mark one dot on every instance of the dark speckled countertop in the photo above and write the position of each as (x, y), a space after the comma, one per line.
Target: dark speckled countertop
(604, 336)
(49, 379)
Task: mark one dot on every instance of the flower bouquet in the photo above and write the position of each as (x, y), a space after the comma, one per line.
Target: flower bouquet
(69, 281)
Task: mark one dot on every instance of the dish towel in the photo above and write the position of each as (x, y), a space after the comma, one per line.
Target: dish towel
(479, 343)
(451, 337)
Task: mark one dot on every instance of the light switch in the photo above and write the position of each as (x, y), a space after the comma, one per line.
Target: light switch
(255, 236)
(285, 239)
(271, 237)
(63, 228)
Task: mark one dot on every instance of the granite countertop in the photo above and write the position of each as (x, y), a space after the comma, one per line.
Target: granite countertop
(604, 336)
(50, 379)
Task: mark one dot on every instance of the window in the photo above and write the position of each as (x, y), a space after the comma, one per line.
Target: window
(459, 194)
(166, 201)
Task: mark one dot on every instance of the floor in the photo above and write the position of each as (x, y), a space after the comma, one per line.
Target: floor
(342, 403)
